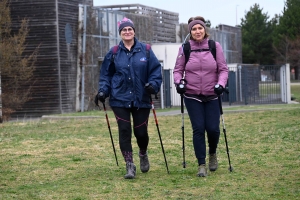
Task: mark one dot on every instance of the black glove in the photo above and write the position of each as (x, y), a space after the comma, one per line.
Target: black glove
(218, 89)
(101, 97)
(149, 89)
(180, 88)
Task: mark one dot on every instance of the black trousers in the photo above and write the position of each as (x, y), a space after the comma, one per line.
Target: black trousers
(140, 118)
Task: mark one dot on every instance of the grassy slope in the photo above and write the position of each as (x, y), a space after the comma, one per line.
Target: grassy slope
(73, 159)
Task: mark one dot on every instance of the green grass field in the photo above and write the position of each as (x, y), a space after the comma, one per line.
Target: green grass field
(73, 159)
(295, 92)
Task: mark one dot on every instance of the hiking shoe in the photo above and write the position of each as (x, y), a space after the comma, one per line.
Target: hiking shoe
(131, 169)
(213, 162)
(144, 163)
(202, 171)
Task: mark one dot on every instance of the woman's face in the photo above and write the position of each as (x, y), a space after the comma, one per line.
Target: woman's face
(198, 32)
(127, 33)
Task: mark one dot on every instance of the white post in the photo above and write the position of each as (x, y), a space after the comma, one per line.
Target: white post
(83, 59)
(79, 52)
(285, 83)
(240, 81)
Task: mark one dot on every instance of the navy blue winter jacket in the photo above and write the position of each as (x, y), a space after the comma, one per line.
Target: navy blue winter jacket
(124, 79)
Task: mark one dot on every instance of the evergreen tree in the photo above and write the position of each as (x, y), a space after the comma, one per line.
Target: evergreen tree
(208, 23)
(257, 37)
(289, 22)
(287, 34)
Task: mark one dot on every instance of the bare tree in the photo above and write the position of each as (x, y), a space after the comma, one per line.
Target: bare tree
(288, 51)
(17, 65)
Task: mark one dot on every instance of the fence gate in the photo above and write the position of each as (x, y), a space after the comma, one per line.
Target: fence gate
(258, 84)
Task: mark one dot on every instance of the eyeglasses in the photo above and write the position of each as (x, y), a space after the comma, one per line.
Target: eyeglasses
(127, 29)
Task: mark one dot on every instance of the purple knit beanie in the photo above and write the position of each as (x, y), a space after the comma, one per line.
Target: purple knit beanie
(194, 22)
(125, 22)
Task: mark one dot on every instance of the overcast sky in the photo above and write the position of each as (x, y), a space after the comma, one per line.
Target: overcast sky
(228, 12)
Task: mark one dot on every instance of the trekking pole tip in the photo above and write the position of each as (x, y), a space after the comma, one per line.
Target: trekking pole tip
(230, 168)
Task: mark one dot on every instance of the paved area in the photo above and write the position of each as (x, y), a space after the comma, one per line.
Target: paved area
(178, 112)
(167, 113)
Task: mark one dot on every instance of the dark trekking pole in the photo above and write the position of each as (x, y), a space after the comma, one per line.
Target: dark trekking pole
(224, 129)
(182, 128)
(112, 141)
(182, 86)
(156, 122)
(108, 125)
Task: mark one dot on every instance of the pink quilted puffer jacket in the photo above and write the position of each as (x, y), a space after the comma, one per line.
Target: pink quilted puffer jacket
(202, 71)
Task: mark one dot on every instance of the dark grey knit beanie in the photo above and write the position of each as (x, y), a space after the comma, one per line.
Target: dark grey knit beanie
(125, 22)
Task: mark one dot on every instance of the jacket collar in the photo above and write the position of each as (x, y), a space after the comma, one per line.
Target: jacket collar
(136, 46)
(196, 43)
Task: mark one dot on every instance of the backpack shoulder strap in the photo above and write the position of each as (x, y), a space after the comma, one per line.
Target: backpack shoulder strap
(187, 51)
(112, 60)
(114, 51)
(212, 48)
(148, 47)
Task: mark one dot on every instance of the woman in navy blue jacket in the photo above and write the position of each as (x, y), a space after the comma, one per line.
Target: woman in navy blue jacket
(123, 80)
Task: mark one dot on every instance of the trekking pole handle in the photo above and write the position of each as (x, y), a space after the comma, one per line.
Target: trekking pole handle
(155, 95)
(150, 99)
(182, 82)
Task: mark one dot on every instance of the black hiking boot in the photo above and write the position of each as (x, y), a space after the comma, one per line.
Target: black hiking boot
(131, 170)
(144, 163)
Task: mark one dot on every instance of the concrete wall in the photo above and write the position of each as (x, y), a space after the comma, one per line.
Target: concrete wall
(167, 53)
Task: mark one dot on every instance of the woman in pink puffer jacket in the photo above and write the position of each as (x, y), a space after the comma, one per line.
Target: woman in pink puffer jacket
(205, 79)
